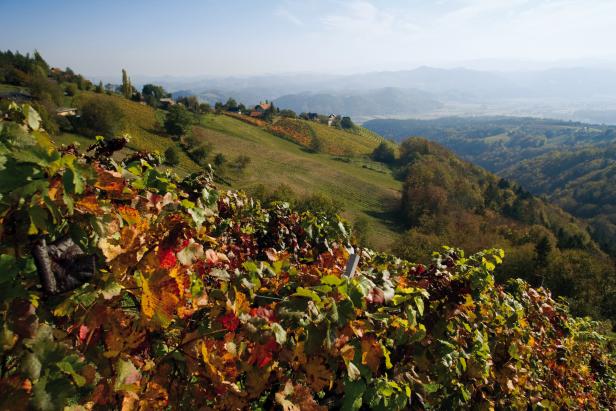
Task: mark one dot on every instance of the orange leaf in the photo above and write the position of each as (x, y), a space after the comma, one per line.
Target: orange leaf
(89, 204)
(371, 352)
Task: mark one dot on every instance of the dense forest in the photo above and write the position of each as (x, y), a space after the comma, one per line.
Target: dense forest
(446, 200)
(580, 181)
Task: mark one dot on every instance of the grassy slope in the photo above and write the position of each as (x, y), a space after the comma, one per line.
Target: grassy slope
(338, 141)
(361, 185)
(142, 124)
(9, 88)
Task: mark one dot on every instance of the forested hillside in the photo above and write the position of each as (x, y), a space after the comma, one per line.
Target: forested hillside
(125, 286)
(446, 200)
(498, 142)
(569, 163)
(581, 181)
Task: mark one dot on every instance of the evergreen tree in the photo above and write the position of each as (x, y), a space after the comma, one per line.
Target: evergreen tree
(126, 87)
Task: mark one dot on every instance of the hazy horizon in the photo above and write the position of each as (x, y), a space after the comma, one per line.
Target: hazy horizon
(206, 38)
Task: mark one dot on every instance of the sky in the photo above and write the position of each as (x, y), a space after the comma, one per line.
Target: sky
(239, 37)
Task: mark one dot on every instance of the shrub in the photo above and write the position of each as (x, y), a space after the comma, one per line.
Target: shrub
(171, 156)
(220, 160)
(346, 123)
(71, 89)
(100, 116)
(178, 120)
(384, 153)
(241, 162)
(315, 144)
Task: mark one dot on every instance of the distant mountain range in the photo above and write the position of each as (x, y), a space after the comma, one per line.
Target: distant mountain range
(377, 102)
(583, 94)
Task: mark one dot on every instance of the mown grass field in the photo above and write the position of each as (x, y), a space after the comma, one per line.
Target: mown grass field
(365, 188)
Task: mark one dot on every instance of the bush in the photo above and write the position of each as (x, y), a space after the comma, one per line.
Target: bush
(287, 113)
(100, 116)
(315, 144)
(171, 156)
(384, 153)
(241, 162)
(219, 160)
(199, 154)
(346, 123)
(178, 120)
(71, 89)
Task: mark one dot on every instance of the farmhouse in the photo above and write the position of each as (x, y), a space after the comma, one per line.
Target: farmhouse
(66, 111)
(166, 102)
(260, 109)
(331, 119)
(263, 107)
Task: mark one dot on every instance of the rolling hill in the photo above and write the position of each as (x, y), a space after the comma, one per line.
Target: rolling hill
(378, 102)
(366, 189)
(571, 163)
(498, 142)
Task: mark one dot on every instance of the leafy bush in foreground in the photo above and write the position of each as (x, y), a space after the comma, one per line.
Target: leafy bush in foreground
(204, 300)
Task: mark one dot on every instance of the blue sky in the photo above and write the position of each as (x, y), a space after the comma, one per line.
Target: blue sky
(192, 37)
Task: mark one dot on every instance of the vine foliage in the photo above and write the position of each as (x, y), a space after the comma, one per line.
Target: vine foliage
(126, 287)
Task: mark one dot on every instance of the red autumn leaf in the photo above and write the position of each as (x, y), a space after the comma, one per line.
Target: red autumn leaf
(230, 321)
(262, 354)
(264, 313)
(83, 332)
(166, 257)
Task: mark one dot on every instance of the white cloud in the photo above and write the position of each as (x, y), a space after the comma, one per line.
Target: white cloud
(287, 15)
(432, 32)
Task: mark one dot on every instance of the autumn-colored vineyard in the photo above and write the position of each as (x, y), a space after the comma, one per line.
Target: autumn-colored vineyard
(124, 287)
(293, 130)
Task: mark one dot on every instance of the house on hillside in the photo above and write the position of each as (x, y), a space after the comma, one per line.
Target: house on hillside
(166, 102)
(312, 116)
(260, 109)
(66, 111)
(331, 119)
